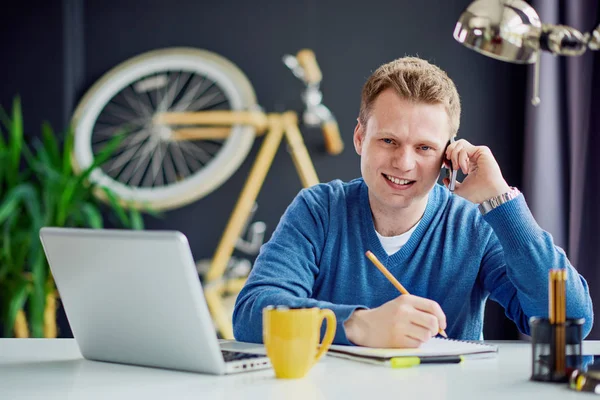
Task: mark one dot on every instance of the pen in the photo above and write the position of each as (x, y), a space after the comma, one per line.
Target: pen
(392, 279)
(405, 362)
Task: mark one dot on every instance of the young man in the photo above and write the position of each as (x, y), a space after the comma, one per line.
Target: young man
(450, 254)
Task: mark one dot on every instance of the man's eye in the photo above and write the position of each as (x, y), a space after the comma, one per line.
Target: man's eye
(388, 141)
(425, 148)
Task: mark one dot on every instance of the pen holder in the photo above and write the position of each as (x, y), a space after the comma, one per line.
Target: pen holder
(556, 348)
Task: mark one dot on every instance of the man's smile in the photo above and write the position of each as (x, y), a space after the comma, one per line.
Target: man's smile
(399, 183)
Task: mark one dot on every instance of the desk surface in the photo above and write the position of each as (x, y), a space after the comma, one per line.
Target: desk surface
(53, 369)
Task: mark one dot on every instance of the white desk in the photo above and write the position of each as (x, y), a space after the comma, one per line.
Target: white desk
(53, 369)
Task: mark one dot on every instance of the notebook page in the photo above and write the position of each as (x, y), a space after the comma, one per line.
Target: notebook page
(433, 347)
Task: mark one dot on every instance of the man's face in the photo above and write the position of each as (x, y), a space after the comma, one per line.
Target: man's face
(401, 151)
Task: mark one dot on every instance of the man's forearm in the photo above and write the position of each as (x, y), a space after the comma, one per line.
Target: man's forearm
(247, 315)
(529, 253)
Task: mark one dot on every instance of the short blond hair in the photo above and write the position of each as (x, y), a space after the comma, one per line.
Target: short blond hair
(413, 79)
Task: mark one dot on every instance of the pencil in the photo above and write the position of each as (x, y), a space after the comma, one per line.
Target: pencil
(557, 315)
(392, 279)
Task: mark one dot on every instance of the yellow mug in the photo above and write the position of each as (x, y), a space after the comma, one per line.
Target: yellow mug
(291, 338)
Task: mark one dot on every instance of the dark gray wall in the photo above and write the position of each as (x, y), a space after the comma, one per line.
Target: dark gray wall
(31, 61)
(350, 39)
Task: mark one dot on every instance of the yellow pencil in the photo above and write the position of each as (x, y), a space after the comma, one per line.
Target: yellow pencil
(392, 279)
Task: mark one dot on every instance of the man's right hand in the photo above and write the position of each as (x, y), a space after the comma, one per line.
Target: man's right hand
(407, 321)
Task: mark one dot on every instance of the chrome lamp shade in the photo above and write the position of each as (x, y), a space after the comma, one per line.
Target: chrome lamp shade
(507, 30)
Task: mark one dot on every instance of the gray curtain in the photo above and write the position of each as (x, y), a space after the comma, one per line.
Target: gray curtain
(562, 145)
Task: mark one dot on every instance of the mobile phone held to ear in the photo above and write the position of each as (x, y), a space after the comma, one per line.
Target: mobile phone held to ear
(450, 171)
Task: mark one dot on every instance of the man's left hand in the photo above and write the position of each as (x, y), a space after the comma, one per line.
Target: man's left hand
(484, 179)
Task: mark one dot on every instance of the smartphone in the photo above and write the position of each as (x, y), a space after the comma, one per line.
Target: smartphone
(450, 171)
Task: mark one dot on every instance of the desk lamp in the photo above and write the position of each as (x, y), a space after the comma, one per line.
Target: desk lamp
(511, 30)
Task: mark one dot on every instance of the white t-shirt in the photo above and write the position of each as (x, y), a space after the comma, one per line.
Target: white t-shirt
(391, 244)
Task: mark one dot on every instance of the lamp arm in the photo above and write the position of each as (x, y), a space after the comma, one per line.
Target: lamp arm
(564, 41)
(567, 41)
(594, 41)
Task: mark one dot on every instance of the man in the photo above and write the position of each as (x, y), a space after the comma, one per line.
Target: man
(450, 255)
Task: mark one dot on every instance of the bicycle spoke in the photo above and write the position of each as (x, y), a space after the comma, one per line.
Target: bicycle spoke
(101, 137)
(179, 160)
(110, 130)
(160, 92)
(184, 103)
(169, 166)
(135, 137)
(146, 98)
(134, 143)
(171, 93)
(155, 165)
(140, 173)
(211, 146)
(99, 145)
(185, 78)
(139, 156)
(216, 105)
(193, 149)
(192, 161)
(209, 84)
(116, 170)
(118, 111)
(136, 103)
(133, 170)
(201, 102)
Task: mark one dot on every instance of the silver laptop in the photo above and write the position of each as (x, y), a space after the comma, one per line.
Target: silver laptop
(134, 297)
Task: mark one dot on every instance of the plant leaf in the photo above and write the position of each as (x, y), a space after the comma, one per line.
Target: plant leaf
(14, 198)
(16, 135)
(116, 206)
(5, 118)
(67, 166)
(37, 298)
(51, 145)
(92, 215)
(16, 303)
(2, 140)
(137, 222)
(64, 203)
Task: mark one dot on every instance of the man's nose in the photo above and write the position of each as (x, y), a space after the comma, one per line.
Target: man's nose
(404, 159)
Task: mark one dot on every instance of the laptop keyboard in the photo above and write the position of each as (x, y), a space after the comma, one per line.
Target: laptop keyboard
(237, 355)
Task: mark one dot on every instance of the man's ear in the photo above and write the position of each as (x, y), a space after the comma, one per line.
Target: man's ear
(359, 137)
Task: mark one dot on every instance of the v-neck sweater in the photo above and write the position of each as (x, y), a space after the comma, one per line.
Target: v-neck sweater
(455, 256)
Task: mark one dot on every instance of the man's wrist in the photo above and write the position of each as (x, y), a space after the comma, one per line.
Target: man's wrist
(354, 327)
(489, 204)
(499, 190)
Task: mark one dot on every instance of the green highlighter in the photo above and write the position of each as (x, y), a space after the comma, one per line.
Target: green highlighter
(405, 362)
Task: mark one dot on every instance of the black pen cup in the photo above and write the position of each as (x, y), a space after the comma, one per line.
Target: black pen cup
(556, 348)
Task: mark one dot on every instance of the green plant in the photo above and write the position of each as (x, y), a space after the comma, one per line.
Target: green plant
(38, 187)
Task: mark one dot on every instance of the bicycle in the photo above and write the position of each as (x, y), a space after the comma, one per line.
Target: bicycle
(190, 118)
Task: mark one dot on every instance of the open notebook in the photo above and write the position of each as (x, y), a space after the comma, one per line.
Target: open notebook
(434, 347)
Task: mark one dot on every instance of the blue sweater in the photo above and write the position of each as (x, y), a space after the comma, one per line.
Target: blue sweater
(456, 256)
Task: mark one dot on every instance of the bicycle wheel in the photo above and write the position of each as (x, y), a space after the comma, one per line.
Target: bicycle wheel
(148, 167)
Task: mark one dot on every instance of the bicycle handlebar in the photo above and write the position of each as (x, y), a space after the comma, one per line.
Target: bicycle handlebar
(308, 62)
(331, 134)
(312, 77)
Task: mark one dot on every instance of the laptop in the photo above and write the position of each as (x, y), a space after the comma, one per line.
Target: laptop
(134, 297)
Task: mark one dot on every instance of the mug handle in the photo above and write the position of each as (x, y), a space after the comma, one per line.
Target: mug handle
(326, 314)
